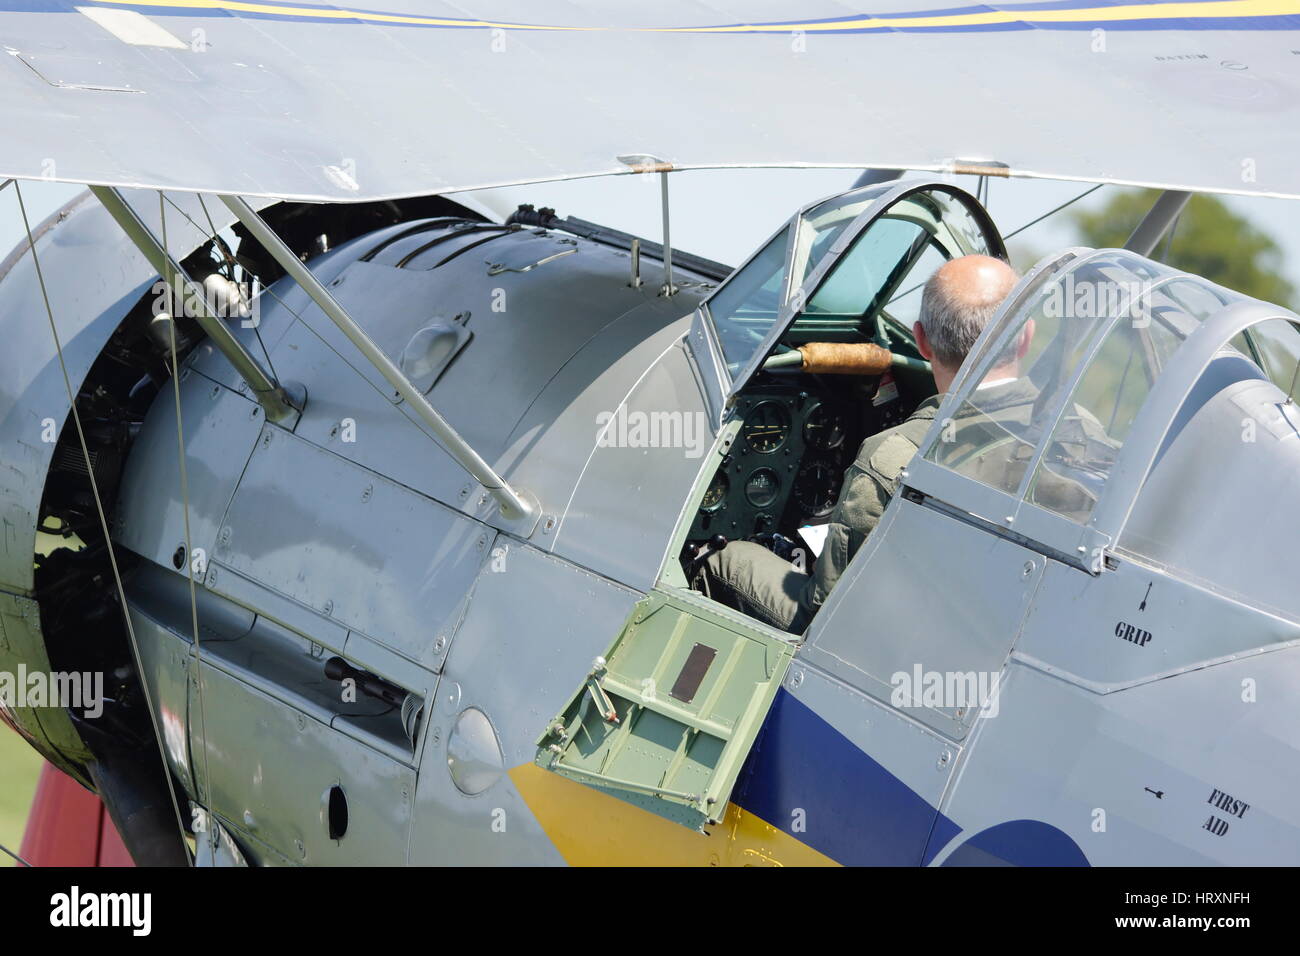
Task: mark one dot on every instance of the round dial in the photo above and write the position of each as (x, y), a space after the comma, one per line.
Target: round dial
(824, 428)
(817, 488)
(766, 427)
(762, 487)
(716, 493)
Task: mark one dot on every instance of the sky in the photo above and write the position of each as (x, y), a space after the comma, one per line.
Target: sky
(726, 214)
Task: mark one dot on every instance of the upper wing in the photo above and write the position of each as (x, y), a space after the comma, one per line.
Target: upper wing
(310, 101)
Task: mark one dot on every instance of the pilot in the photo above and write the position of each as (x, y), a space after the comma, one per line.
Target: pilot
(958, 300)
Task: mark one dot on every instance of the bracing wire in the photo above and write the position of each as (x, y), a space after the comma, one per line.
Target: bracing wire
(1053, 212)
(185, 511)
(216, 238)
(3, 848)
(103, 518)
(292, 311)
(1032, 222)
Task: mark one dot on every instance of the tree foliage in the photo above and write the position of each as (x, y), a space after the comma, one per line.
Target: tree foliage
(1210, 240)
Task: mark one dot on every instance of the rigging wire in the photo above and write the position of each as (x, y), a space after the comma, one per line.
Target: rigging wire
(231, 261)
(189, 544)
(3, 848)
(1033, 222)
(1053, 212)
(288, 308)
(103, 519)
(297, 315)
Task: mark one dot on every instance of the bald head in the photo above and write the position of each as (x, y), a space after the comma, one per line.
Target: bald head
(958, 301)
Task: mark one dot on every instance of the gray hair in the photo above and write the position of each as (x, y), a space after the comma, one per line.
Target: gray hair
(953, 315)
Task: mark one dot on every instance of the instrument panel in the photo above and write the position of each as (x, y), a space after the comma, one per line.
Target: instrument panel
(785, 467)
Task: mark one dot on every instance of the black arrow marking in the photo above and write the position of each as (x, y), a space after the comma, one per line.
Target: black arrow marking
(1160, 794)
(1143, 605)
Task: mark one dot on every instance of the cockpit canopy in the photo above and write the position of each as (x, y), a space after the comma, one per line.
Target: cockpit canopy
(1067, 372)
(1102, 369)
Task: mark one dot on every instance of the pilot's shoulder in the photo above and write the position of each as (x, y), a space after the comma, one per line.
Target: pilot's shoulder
(891, 455)
(888, 452)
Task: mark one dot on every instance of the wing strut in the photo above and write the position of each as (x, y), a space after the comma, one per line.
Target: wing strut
(274, 400)
(669, 288)
(1157, 222)
(514, 507)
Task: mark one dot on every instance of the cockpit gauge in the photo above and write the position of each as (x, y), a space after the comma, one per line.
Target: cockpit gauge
(762, 487)
(716, 493)
(816, 488)
(825, 427)
(766, 427)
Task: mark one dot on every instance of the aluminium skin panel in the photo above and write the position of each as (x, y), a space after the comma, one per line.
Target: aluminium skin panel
(531, 632)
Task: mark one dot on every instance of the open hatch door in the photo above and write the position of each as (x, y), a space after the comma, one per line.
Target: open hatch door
(666, 717)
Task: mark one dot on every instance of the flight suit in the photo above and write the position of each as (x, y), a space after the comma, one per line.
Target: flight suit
(769, 587)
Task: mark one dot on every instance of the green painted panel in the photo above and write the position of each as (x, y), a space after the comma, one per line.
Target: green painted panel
(667, 716)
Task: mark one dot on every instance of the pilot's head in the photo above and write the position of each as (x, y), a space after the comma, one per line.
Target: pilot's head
(958, 301)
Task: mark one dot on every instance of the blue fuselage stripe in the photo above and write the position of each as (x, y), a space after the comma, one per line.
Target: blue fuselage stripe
(811, 781)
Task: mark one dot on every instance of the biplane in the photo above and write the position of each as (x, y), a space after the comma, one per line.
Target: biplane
(380, 515)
